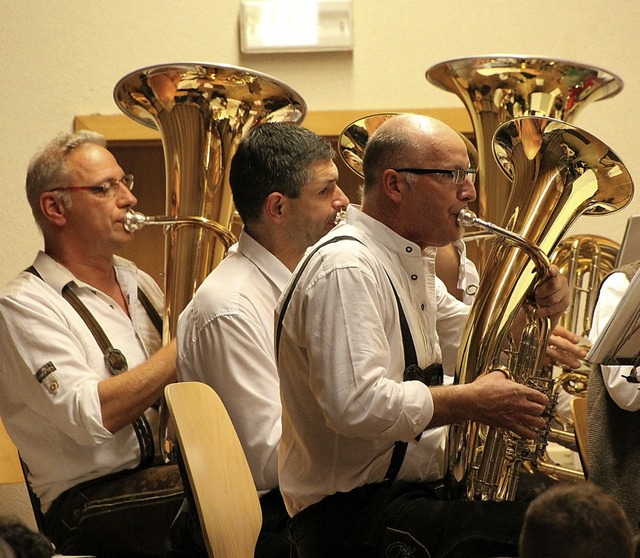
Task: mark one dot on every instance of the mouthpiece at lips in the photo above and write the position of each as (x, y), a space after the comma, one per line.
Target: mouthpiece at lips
(339, 216)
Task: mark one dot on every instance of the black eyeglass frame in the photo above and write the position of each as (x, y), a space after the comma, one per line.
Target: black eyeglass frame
(457, 175)
(104, 189)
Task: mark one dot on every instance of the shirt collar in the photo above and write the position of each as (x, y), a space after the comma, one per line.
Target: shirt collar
(263, 260)
(379, 232)
(57, 276)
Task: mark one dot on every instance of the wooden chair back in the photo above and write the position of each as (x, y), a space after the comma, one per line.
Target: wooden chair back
(218, 473)
(579, 413)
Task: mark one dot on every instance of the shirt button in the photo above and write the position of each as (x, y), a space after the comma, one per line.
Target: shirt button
(414, 277)
(409, 249)
(422, 307)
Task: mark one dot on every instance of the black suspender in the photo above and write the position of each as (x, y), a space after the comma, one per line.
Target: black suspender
(115, 361)
(155, 318)
(432, 375)
(302, 267)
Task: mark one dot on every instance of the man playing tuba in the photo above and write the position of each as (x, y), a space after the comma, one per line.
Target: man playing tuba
(362, 453)
(79, 409)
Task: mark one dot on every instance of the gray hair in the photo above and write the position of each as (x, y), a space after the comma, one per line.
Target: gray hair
(48, 169)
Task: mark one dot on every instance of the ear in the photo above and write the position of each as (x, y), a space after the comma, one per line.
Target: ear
(275, 207)
(53, 209)
(392, 186)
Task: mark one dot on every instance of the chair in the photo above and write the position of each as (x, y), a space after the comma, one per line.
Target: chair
(579, 412)
(14, 471)
(10, 468)
(217, 470)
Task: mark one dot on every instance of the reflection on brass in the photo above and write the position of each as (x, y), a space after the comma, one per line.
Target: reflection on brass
(354, 137)
(584, 260)
(497, 88)
(559, 172)
(202, 111)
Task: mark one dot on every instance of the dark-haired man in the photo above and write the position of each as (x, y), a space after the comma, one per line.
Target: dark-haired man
(285, 187)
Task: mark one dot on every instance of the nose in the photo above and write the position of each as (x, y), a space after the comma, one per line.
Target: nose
(467, 190)
(341, 200)
(126, 197)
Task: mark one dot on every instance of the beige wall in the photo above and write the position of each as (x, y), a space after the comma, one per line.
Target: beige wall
(62, 59)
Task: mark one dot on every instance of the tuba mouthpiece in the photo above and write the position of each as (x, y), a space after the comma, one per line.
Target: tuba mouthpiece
(466, 218)
(134, 221)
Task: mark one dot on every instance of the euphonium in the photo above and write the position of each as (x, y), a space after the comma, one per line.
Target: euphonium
(559, 172)
(585, 260)
(497, 88)
(202, 112)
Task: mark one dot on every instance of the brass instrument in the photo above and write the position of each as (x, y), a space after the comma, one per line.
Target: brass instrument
(584, 260)
(497, 88)
(202, 111)
(559, 172)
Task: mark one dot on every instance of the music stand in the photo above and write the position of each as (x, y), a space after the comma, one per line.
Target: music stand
(629, 247)
(619, 342)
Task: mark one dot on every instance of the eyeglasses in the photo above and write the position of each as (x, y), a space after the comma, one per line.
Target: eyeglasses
(457, 175)
(107, 189)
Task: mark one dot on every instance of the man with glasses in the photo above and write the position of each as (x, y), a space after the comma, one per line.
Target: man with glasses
(362, 459)
(82, 363)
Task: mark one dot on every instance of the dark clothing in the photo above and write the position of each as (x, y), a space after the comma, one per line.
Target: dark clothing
(185, 536)
(406, 519)
(125, 515)
(613, 448)
(612, 439)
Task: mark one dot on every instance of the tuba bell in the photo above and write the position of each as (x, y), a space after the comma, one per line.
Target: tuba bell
(202, 111)
(559, 172)
(497, 88)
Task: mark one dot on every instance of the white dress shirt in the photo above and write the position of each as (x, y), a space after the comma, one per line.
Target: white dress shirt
(468, 277)
(225, 339)
(341, 363)
(625, 394)
(50, 368)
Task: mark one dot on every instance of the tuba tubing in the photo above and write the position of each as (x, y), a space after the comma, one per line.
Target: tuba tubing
(134, 221)
(559, 173)
(467, 218)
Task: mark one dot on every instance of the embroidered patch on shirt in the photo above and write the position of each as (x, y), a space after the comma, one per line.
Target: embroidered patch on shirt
(45, 375)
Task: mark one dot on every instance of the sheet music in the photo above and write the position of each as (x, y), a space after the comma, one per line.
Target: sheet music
(621, 336)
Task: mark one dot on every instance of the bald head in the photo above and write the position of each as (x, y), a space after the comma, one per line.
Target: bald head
(421, 207)
(404, 141)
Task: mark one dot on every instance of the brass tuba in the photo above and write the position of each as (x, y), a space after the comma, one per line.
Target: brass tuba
(497, 88)
(585, 260)
(559, 172)
(202, 112)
